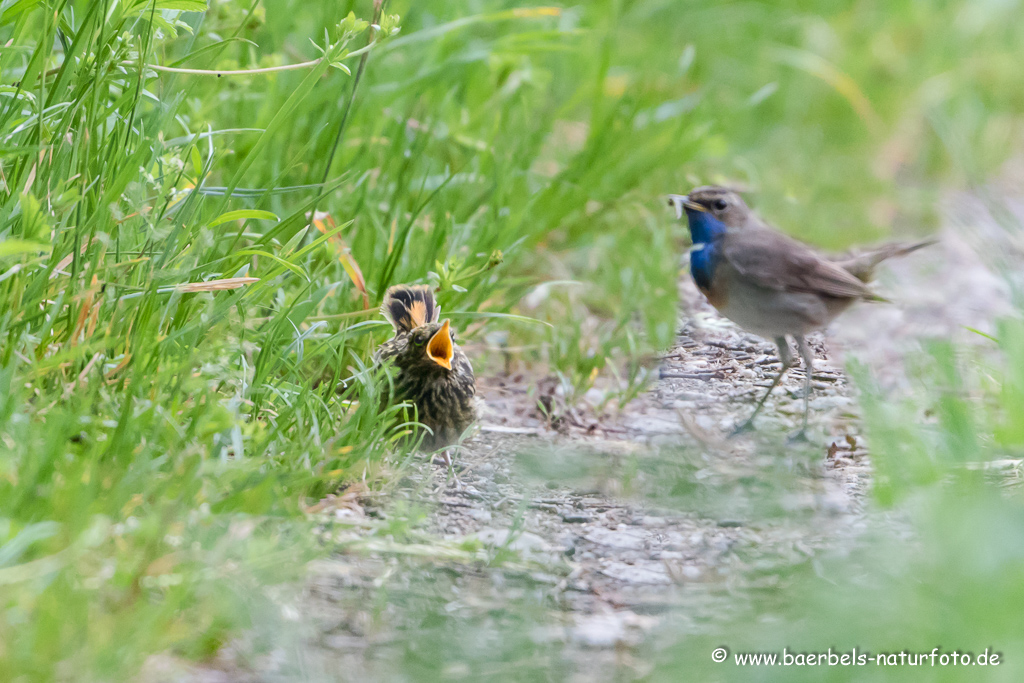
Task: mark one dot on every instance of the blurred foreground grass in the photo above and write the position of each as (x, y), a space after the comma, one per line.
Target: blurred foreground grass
(940, 562)
(171, 327)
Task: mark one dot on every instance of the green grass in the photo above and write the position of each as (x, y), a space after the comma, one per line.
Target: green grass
(157, 442)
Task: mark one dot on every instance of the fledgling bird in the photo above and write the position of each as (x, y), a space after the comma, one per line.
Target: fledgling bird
(433, 373)
(769, 283)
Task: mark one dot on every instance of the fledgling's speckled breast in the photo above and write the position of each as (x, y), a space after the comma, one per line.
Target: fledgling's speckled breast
(445, 399)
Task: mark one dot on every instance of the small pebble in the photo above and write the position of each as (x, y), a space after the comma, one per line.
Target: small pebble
(479, 515)
(575, 517)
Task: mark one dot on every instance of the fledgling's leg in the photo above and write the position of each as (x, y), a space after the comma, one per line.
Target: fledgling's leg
(445, 458)
(786, 356)
(807, 355)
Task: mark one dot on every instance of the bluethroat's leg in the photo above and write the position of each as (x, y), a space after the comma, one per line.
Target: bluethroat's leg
(807, 355)
(786, 356)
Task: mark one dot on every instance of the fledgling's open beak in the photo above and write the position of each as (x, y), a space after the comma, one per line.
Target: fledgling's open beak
(681, 201)
(440, 348)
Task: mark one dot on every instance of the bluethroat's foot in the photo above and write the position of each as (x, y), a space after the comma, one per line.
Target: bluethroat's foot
(747, 426)
(798, 437)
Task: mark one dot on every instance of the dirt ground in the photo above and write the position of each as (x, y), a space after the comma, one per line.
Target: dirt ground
(565, 549)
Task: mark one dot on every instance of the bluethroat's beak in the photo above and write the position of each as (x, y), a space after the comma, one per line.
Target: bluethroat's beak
(680, 202)
(440, 348)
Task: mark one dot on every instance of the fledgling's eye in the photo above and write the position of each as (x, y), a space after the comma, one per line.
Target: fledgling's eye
(721, 205)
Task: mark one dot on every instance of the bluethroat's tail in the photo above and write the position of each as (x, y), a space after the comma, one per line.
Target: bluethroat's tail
(862, 266)
(407, 307)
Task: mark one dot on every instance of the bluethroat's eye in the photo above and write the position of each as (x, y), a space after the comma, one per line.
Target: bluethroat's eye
(720, 205)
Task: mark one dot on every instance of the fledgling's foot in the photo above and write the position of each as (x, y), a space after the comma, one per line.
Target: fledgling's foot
(443, 458)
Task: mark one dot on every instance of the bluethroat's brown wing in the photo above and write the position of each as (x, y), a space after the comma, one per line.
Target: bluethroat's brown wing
(777, 261)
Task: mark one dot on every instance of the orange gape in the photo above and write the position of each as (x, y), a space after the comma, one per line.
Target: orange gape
(440, 347)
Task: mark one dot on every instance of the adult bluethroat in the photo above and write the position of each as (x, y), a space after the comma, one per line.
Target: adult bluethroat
(769, 283)
(433, 373)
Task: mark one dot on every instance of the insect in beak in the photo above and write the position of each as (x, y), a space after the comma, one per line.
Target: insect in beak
(440, 348)
(682, 201)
